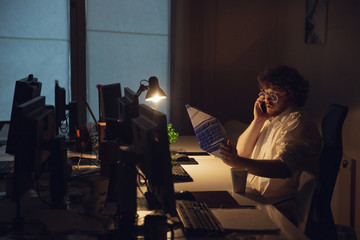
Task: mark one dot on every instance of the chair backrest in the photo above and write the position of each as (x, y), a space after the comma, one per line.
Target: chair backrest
(307, 185)
(331, 155)
(234, 129)
(321, 219)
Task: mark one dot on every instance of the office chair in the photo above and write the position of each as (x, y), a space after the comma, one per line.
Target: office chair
(321, 223)
(234, 129)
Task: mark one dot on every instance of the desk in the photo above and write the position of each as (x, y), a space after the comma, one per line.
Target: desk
(211, 174)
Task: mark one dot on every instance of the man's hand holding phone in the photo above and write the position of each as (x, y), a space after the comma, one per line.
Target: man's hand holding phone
(260, 110)
(263, 107)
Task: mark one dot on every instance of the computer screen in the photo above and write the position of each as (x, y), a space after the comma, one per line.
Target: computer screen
(152, 147)
(128, 109)
(119, 129)
(110, 94)
(60, 104)
(25, 90)
(38, 149)
(65, 122)
(35, 124)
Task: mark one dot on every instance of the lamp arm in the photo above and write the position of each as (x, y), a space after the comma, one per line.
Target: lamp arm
(141, 89)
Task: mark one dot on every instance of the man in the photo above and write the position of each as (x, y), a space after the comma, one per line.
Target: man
(281, 141)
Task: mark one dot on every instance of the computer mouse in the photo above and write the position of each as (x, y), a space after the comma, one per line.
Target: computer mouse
(184, 195)
(74, 160)
(181, 158)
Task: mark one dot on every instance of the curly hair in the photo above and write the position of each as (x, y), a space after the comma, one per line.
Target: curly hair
(286, 79)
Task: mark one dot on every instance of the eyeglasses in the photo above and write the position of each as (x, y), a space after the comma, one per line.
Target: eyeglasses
(270, 96)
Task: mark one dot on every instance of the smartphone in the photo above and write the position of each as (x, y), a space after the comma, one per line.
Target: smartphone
(263, 107)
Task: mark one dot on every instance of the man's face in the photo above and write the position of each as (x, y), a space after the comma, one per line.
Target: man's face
(276, 101)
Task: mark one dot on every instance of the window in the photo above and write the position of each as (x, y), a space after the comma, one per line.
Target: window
(34, 39)
(127, 41)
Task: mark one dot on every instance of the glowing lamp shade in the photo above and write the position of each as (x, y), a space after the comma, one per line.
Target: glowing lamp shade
(155, 93)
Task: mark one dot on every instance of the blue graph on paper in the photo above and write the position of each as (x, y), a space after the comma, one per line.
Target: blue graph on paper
(208, 130)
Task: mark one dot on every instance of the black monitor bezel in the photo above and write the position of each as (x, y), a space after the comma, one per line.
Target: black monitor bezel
(36, 127)
(110, 95)
(60, 104)
(151, 143)
(128, 106)
(25, 89)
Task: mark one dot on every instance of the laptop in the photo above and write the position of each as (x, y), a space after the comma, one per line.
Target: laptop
(209, 131)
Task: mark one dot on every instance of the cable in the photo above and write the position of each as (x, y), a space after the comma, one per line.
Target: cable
(82, 152)
(141, 177)
(37, 188)
(64, 129)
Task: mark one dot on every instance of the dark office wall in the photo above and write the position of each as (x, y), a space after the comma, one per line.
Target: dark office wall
(218, 47)
(245, 40)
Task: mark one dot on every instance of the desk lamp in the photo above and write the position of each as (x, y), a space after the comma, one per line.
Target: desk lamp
(155, 93)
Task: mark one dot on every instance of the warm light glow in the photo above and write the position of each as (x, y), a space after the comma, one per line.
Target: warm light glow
(155, 99)
(154, 92)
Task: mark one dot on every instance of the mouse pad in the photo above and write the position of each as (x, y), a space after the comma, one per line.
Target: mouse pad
(191, 161)
(216, 199)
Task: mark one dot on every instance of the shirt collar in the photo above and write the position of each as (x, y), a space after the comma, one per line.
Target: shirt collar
(283, 116)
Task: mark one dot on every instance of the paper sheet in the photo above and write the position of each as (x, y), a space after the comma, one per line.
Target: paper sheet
(208, 130)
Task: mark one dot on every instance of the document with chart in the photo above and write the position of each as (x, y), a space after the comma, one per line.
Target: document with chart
(208, 130)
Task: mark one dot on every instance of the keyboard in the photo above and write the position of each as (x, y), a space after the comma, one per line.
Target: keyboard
(6, 167)
(197, 219)
(180, 175)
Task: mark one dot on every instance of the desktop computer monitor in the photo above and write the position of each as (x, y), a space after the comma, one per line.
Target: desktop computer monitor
(60, 113)
(108, 110)
(25, 90)
(128, 109)
(152, 147)
(38, 149)
(35, 124)
(60, 104)
(110, 94)
(120, 129)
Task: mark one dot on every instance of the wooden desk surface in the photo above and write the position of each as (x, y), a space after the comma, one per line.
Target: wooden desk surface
(186, 144)
(211, 174)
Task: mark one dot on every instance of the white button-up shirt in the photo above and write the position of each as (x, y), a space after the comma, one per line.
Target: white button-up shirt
(294, 139)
